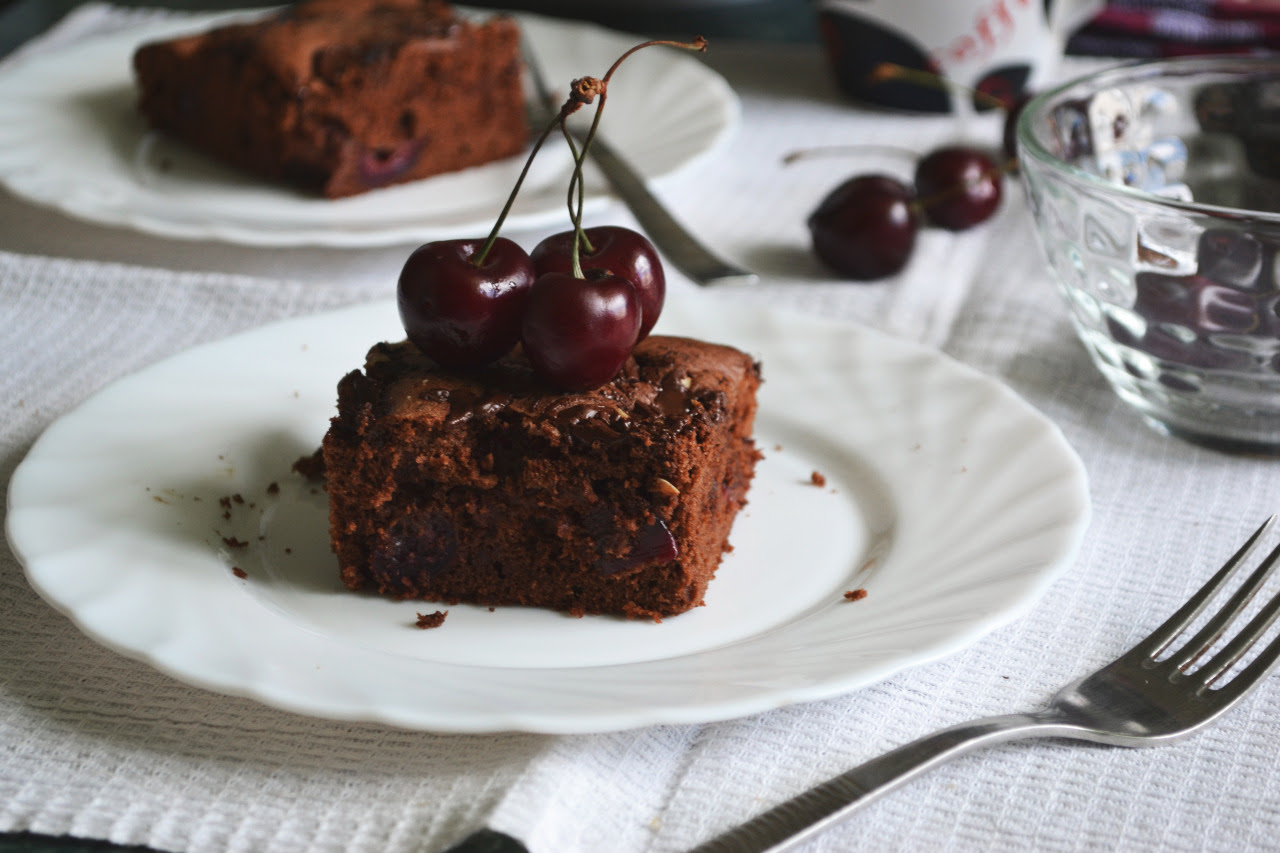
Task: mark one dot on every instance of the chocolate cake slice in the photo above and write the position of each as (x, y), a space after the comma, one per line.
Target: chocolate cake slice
(484, 487)
(341, 96)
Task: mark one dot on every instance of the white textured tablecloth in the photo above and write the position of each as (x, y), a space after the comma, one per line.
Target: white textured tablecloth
(95, 745)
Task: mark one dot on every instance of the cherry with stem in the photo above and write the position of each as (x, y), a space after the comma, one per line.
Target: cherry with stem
(584, 319)
(462, 301)
(865, 229)
(1012, 105)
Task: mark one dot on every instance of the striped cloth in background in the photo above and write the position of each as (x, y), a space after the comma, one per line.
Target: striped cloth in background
(1162, 28)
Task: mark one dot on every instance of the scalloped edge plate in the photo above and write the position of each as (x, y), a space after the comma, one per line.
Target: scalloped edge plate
(71, 139)
(947, 498)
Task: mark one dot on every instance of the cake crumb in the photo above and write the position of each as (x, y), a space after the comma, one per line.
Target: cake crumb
(311, 467)
(239, 572)
(817, 479)
(273, 488)
(855, 594)
(778, 448)
(431, 620)
(233, 542)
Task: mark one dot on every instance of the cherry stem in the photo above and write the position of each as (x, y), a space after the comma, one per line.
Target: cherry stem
(575, 214)
(478, 258)
(575, 181)
(887, 71)
(828, 150)
(602, 88)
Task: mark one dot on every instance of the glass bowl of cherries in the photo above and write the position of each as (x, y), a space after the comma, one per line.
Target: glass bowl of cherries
(1155, 189)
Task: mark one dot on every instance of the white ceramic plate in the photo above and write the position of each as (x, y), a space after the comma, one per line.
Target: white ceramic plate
(71, 139)
(947, 498)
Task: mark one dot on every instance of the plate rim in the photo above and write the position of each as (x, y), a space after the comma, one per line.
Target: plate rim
(589, 721)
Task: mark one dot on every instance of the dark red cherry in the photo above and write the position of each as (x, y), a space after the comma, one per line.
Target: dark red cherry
(380, 166)
(618, 250)
(958, 187)
(866, 228)
(460, 314)
(653, 544)
(577, 332)
(1011, 116)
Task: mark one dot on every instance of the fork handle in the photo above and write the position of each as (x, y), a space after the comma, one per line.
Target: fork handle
(798, 819)
(680, 247)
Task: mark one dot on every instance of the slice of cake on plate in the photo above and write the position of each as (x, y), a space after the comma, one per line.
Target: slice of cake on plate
(486, 487)
(338, 97)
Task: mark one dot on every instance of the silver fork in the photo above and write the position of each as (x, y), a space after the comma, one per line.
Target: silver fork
(679, 247)
(1143, 698)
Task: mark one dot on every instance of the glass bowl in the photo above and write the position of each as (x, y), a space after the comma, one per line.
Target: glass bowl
(1155, 190)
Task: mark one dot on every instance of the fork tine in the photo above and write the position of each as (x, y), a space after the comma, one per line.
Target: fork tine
(1214, 628)
(1161, 637)
(1249, 677)
(1220, 663)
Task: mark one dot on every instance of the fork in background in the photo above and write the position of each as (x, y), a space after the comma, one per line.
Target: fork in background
(1151, 695)
(681, 248)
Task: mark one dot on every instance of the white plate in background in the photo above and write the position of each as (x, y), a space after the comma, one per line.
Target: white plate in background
(71, 139)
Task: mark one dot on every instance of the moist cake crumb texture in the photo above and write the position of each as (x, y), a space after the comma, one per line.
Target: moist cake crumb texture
(337, 97)
(484, 487)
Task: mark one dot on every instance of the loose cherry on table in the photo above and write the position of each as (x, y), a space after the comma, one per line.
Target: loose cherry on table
(620, 251)
(866, 227)
(1009, 136)
(1010, 101)
(958, 187)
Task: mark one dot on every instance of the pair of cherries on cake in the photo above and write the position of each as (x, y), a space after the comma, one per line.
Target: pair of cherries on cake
(578, 314)
(578, 304)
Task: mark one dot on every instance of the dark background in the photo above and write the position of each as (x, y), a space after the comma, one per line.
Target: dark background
(775, 20)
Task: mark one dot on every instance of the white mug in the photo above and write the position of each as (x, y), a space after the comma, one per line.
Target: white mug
(1001, 48)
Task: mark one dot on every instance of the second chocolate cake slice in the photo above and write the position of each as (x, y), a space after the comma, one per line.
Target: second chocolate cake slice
(487, 488)
(338, 97)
